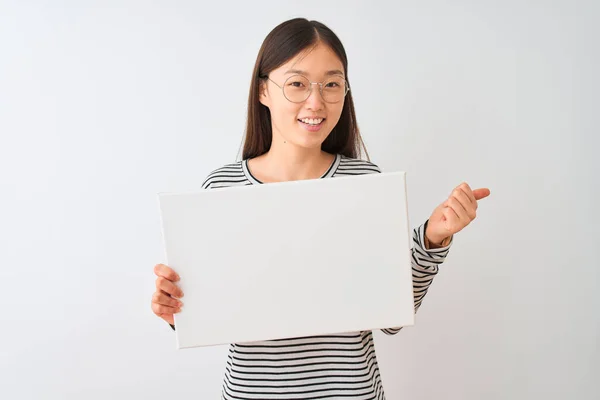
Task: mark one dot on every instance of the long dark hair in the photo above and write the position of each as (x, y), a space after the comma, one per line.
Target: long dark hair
(283, 43)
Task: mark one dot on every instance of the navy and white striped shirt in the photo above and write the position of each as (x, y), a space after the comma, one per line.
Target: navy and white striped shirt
(320, 367)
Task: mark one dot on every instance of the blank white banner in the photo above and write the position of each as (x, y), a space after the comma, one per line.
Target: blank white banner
(290, 259)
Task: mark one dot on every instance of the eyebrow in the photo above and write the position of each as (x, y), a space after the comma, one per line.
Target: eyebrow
(328, 73)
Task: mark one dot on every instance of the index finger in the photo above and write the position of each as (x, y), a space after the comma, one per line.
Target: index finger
(467, 189)
(166, 272)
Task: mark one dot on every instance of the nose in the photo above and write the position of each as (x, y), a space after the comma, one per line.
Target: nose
(315, 101)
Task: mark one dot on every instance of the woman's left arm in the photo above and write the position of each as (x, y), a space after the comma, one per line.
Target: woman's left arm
(433, 239)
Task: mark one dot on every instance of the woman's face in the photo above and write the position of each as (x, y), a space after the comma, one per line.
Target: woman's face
(308, 123)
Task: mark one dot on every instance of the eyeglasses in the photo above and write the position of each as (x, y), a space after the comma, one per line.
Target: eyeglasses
(297, 88)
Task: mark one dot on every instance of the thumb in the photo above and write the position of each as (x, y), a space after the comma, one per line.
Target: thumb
(481, 193)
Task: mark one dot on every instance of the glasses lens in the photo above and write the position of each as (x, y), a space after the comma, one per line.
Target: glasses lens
(334, 89)
(296, 88)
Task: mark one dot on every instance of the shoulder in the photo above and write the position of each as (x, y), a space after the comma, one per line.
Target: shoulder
(228, 175)
(356, 166)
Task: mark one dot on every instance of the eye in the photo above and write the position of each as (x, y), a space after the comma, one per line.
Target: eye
(296, 84)
(332, 84)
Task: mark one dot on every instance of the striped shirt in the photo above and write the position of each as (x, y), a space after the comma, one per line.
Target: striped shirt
(319, 367)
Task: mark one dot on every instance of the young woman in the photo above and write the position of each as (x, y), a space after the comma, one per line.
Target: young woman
(301, 125)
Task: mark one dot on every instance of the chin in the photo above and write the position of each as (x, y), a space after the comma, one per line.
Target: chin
(312, 145)
(308, 142)
(308, 139)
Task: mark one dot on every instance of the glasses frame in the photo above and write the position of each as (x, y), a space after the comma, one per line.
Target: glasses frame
(311, 88)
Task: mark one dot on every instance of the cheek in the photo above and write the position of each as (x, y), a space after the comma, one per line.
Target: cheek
(285, 113)
(293, 111)
(335, 113)
(290, 113)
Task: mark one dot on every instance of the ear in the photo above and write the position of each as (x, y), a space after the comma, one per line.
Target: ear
(263, 95)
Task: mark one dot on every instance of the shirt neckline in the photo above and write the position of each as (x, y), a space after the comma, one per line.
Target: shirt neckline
(328, 174)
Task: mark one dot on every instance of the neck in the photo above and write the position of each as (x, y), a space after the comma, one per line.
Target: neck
(287, 162)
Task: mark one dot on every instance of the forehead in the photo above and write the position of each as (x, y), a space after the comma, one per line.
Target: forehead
(314, 62)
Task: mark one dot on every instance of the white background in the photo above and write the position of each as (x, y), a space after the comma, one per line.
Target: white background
(104, 104)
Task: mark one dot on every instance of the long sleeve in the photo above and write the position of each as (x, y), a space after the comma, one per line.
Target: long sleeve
(425, 265)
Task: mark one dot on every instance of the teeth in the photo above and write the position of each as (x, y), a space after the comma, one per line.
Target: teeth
(311, 121)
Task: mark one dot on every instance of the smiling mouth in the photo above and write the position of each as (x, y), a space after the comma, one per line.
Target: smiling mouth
(312, 121)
